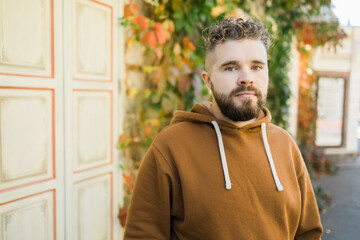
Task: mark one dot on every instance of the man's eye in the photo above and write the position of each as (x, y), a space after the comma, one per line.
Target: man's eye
(230, 69)
(256, 68)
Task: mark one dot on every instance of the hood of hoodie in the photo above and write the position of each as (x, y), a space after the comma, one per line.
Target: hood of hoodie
(202, 113)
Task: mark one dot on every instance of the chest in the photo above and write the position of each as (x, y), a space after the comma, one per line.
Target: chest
(253, 188)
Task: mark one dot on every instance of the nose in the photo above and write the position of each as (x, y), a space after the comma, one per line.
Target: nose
(245, 78)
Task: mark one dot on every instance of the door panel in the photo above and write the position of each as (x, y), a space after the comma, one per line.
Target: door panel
(92, 113)
(35, 215)
(58, 102)
(27, 37)
(92, 40)
(26, 123)
(93, 201)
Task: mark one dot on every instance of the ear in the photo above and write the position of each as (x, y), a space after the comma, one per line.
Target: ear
(206, 78)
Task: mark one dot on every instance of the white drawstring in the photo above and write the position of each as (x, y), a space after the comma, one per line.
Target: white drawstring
(271, 161)
(268, 153)
(222, 155)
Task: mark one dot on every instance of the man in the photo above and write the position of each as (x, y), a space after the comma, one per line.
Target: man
(222, 171)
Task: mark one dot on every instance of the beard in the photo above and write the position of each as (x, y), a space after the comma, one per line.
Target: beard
(246, 111)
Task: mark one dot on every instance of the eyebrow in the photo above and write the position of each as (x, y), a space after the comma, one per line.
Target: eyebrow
(234, 62)
(227, 63)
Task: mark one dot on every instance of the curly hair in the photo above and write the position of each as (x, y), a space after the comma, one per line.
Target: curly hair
(236, 29)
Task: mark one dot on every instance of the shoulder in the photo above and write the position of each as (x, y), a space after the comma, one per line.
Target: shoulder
(182, 130)
(182, 137)
(282, 138)
(280, 132)
(286, 142)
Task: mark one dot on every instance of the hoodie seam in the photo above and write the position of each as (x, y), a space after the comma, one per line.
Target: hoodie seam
(162, 155)
(170, 165)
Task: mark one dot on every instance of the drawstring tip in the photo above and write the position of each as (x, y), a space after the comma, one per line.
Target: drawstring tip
(280, 188)
(228, 186)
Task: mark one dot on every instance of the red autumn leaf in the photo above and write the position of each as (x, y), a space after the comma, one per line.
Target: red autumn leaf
(130, 9)
(141, 21)
(122, 138)
(160, 33)
(128, 181)
(148, 131)
(122, 216)
(149, 38)
(187, 43)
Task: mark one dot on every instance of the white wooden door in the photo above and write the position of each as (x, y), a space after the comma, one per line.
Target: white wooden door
(58, 119)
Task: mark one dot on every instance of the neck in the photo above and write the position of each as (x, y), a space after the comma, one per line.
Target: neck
(214, 108)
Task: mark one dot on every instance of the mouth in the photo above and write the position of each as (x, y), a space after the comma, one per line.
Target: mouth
(245, 94)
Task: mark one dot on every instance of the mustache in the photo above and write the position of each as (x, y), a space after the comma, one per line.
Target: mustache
(244, 88)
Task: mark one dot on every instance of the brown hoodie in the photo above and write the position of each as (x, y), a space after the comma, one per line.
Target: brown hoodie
(183, 188)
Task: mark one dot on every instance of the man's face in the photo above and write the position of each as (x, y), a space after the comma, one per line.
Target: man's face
(238, 77)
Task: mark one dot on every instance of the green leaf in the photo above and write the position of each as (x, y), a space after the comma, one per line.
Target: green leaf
(178, 15)
(188, 28)
(192, 17)
(124, 166)
(179, 24)
(124, 144)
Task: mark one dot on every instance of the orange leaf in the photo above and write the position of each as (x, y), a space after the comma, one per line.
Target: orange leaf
(128, 181)
(155, 122)
(149, 38)
(216, 11)
(141, 21)
(122, 216)
(130, 9)
(122, 138)
(160, 33)
(187, 43)
(189, 62)
(148, 131)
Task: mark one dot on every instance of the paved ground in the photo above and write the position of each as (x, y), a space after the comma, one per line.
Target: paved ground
(341, 220)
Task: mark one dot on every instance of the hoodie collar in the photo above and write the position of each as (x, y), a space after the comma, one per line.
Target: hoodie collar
(201, 113)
